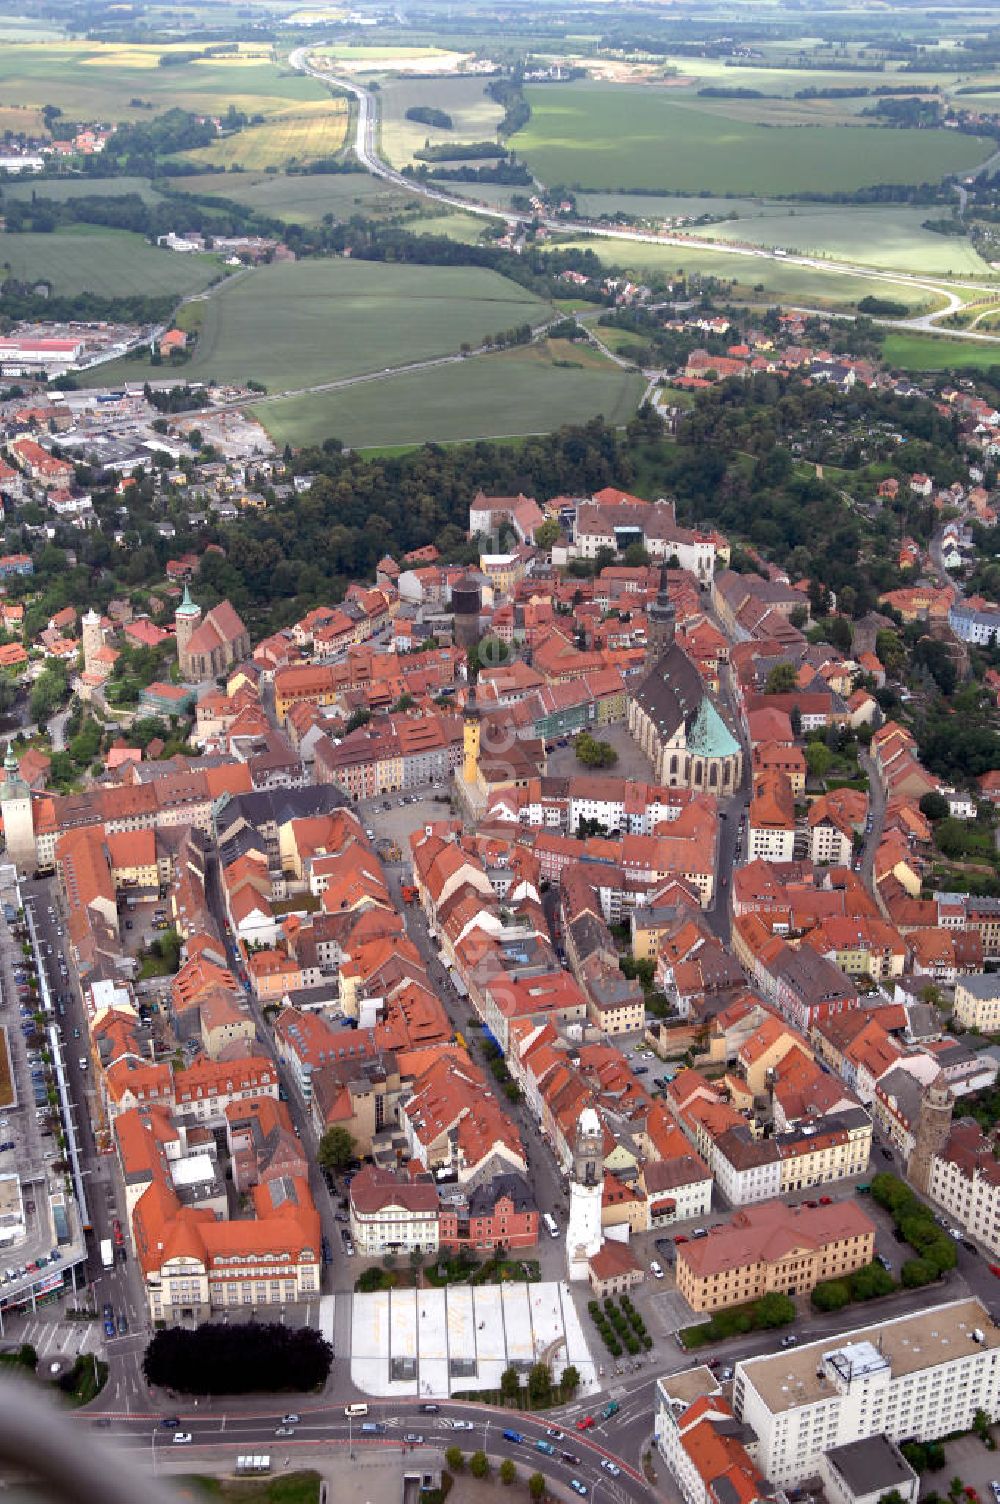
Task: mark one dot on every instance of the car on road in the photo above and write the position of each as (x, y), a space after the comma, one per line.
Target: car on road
(578, 1487)
(585, 1422)
(285, 1431)
(885, 1152)
(790, 1341)
(569, 1457)
(182, 1438)
(170, 1423)
(554, 1432)
(430, 1409)
(291, 1419)
(611, 1467)
(413, 1439)
(995, 1269)
(995, 1487)
(680, 1238)
(969, 1245)
(546, 1447)
(461, 1425)
(656, 1270)
(123, 1326)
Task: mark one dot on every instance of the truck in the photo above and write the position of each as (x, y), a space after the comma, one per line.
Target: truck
(107, 1253)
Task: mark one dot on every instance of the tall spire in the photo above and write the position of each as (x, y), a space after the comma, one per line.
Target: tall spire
(661, 619)
(10, 763)
(187, 606)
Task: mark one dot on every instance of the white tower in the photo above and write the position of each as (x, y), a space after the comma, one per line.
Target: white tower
(18, 820)
(93, 639)
(583, 1235)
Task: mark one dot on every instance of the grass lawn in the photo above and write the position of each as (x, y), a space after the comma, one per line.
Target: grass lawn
(295, 324)
(305, 199)
(606, 137)
(111, 263)
(6, 1081)
(779, 280)
(890, 237)
(288, 1488)
(303, 132)
(475, 116)
(520, 391)
(936, 352)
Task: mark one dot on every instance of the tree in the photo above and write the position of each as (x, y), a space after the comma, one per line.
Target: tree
(240, 1359)
(795, 716)
(594, 753)
(934, 806)
(27, 1356)
(336, 1149)
(781, 680)
(831, 1295)
(479, 1464)
(570, 1379)
(547, 533)
(416, 1257)
(540, 1384)
(510, 1383)
(536, 1486)
(455, 1458)
(774, 1309)
(508, 1472)
(819, 759)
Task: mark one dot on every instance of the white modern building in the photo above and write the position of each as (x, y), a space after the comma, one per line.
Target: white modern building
(919, 1376)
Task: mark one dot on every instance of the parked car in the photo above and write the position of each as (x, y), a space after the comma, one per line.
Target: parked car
(656, 1270)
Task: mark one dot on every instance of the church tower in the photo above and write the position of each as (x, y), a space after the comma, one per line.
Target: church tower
(931, 1133)
(470, 737)
(661, 622)
(586, 1193)
(186, 618)
(18, 821)
(93, 639)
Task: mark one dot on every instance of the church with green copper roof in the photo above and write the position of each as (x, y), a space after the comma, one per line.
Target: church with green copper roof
(674, 718)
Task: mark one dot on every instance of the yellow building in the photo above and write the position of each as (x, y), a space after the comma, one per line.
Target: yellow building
(773, 1248)
(839, 1148)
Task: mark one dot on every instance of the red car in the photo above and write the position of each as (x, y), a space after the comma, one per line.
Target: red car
(826, 1201)
(585, 1422)
(680, 1238)
(995, 1269)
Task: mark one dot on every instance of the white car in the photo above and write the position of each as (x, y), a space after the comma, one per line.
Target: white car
(182, 1438)
(610, 1467)
(656, 1270)
(462, 1425)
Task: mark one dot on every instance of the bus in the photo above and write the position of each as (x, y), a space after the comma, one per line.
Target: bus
(551, 1226)
(107, 1253)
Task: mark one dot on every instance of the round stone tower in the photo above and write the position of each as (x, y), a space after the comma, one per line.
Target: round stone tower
(93, 639)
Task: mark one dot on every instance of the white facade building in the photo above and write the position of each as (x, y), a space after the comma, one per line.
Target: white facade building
(919, 1376)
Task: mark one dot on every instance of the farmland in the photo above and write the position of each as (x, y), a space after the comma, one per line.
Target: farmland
(475, 116)
(297, 324)
(305, 132)
(517, 392)
(109, 263)
(97, 81)
(606, 137)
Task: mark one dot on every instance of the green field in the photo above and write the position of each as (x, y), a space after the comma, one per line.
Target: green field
(305, 198)
(757, 276)
(110, 263)
(891, 237)
(474, 114)
(495, 396)
(304, 132)
(933, 352)
(606, 137)
(296, 324)
(61, 189)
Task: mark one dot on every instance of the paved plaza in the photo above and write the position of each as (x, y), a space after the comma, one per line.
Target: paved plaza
(444, 1342)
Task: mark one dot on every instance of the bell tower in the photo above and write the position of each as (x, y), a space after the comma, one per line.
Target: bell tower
(661, 620)
(471, 731)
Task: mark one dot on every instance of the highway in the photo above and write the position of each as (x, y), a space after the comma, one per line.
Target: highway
(367, 151)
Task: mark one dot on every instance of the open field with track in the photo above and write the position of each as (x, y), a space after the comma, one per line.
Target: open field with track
(889, 238)
(605, 137)
(110, 263)
(523, 391)
(304, 198)
(757, 278)
(298, 324)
